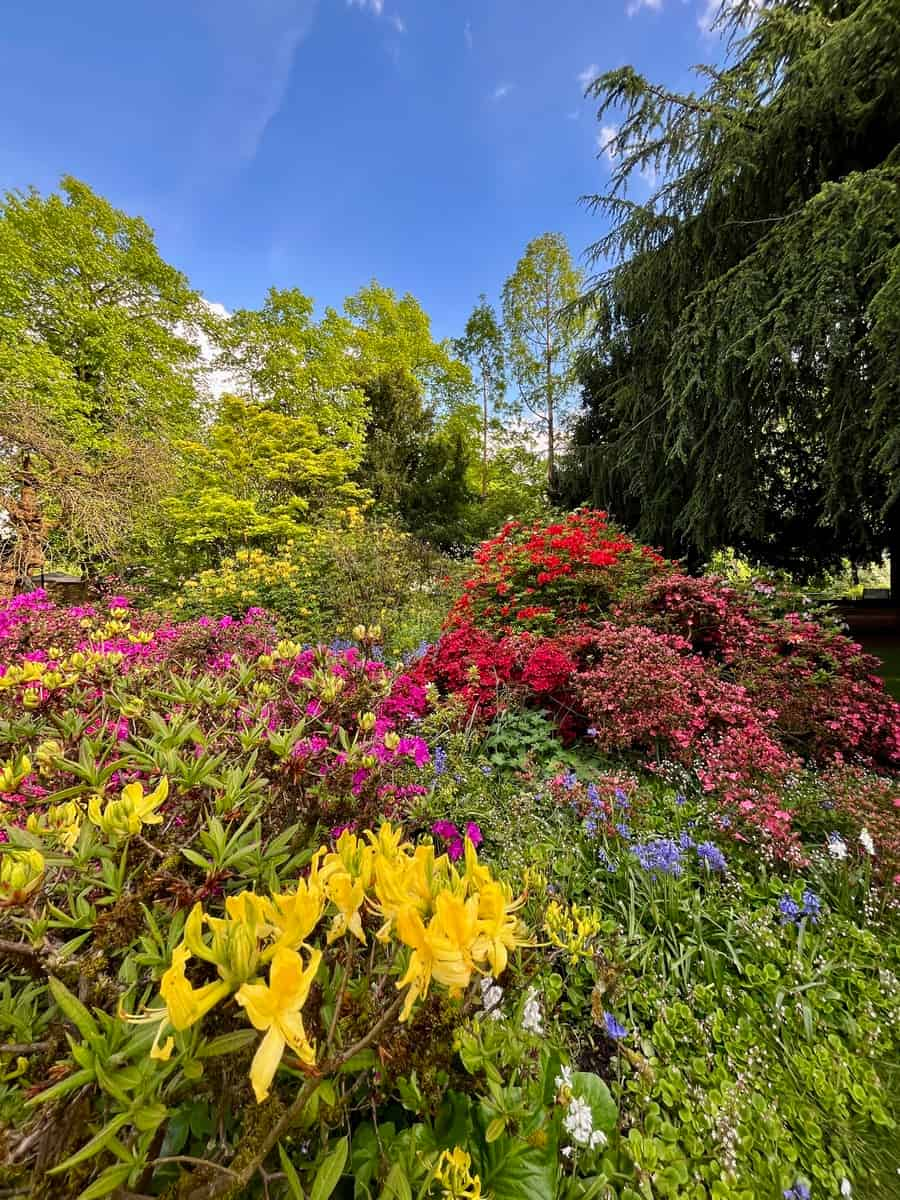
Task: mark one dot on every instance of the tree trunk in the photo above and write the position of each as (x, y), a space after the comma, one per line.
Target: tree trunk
(27, 520)
(551, 450)
(484, 441)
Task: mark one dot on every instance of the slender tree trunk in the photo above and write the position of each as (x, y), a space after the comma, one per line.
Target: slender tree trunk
(551, 449)
(484, 443)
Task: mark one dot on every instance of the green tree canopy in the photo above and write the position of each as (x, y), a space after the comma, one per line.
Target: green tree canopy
(743, 387)
(542, 333)
(481, 347)
(95, 361)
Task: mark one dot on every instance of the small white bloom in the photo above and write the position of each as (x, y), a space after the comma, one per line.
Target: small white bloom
(563, 1079)
(865, 840)
(567, 1151)
(846, 1189)
(491, 995)
(532, 1018)
(837, 848)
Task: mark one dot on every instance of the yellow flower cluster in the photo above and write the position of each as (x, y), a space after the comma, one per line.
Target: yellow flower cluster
(60, 823)
(21, 874)
(572, 928)
(66, 672)
(454, 1174)
(246, 573)
(123, 817)
(452, 921)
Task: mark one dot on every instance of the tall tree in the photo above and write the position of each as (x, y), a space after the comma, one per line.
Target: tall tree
(543, 332)
(746, 375)
(95, 362)
(481, 346)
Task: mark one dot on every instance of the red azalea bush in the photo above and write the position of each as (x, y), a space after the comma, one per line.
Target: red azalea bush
(538, 576)
(647, 661)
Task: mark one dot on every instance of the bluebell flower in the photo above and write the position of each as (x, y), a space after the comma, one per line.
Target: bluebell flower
(622, 799)
(592, 732)
(623, 831)
(592, 794)
(570, 780)
(440, 760)
(789, 909)
(685, 841)
(590, 825)
(800, 1191)
(812, 906)
(613, 1029)
(605, 861)
(711, 856)
(487, 769)
(659, 854)
(679, 800)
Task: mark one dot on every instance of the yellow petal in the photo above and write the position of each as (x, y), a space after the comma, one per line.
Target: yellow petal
(265, 1063)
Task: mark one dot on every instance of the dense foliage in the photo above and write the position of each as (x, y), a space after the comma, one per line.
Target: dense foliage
(741, 389)
(590, 905)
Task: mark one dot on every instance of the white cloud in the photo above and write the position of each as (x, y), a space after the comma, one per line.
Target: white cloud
(587, 76)
(255, 46)
(398, 23)
(635, 6)
(604, 137)
(376, 6)
(501, 90)
(467, 35)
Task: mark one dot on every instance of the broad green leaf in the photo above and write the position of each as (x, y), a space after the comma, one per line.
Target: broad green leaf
(113, 1177)
(73, 1009)
(330, 1171)
(396, 1186)
(290, 1173)
(591, 1088)
(97, 1143)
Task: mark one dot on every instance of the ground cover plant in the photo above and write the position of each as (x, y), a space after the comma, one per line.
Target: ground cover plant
(596, 896)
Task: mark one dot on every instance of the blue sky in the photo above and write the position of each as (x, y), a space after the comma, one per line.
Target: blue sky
(322, 143)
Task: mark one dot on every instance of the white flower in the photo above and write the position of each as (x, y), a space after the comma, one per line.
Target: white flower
(837, 848)
(846, 1189)
(491, 995)
(563, 1079)
(865, 840)
(532, 1019)
(579, 1124)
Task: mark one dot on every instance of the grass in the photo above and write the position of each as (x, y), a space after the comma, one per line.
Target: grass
(888, 650)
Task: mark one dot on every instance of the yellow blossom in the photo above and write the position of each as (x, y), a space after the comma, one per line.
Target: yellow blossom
(21, 874)
(123, 817)
(276, 1007)
(454, 1174)
(498, 927)
(62, 822)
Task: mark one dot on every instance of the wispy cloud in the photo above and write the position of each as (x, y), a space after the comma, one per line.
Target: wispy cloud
(587, 76)
(467, 35)
(635, 6)
(706, 18)
(398, 23)
(604, 138)
(375, 6)
(502, 90)
(255, 46)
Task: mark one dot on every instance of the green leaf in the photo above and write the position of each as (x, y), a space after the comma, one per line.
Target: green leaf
(227, 1043)
(290, 1172)
(97, 1143)
(113, 1177)
(591, 1088)
(330, 1172)
(73, 1009)
(396, 1186)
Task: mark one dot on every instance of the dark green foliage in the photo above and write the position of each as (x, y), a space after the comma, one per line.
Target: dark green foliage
(743, 383)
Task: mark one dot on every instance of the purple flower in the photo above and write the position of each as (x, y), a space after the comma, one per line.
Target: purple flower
(445, 830)
(659, 854)
(455, 849)
(613, 1029)
(440, 760)
(623, 831)
(812, 906)
(789, 909)
(711, 856)
(474, 834)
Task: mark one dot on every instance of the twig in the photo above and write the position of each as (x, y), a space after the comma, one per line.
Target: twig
(23, 1047)
(195, 1162)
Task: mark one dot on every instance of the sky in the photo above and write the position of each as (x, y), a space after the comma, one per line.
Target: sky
(324, 143)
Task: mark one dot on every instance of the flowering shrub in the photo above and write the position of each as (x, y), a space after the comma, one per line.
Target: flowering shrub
(537, 576)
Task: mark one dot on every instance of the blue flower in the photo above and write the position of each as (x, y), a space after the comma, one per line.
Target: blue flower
(659, 854)
(622, 799)
(613, 1029)
(812, 906)
(679, 800)
(711, 856)
(685, 841)
(605, 861)
(623, 831)
(593, 795)
(570, 780)
(789, 909)
(486, 769)
(440, 760)
(800, 1191)
(592, 732)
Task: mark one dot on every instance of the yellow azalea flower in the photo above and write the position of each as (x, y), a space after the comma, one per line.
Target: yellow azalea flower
(21, 874)
(454, 1174)
(440, 950)
(276, 1008)
(498, 927)
(62, 822)
(13, 773)
(186, 1004)
(234, 945)
(347, 896)
(124, 817)
(296, 914)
